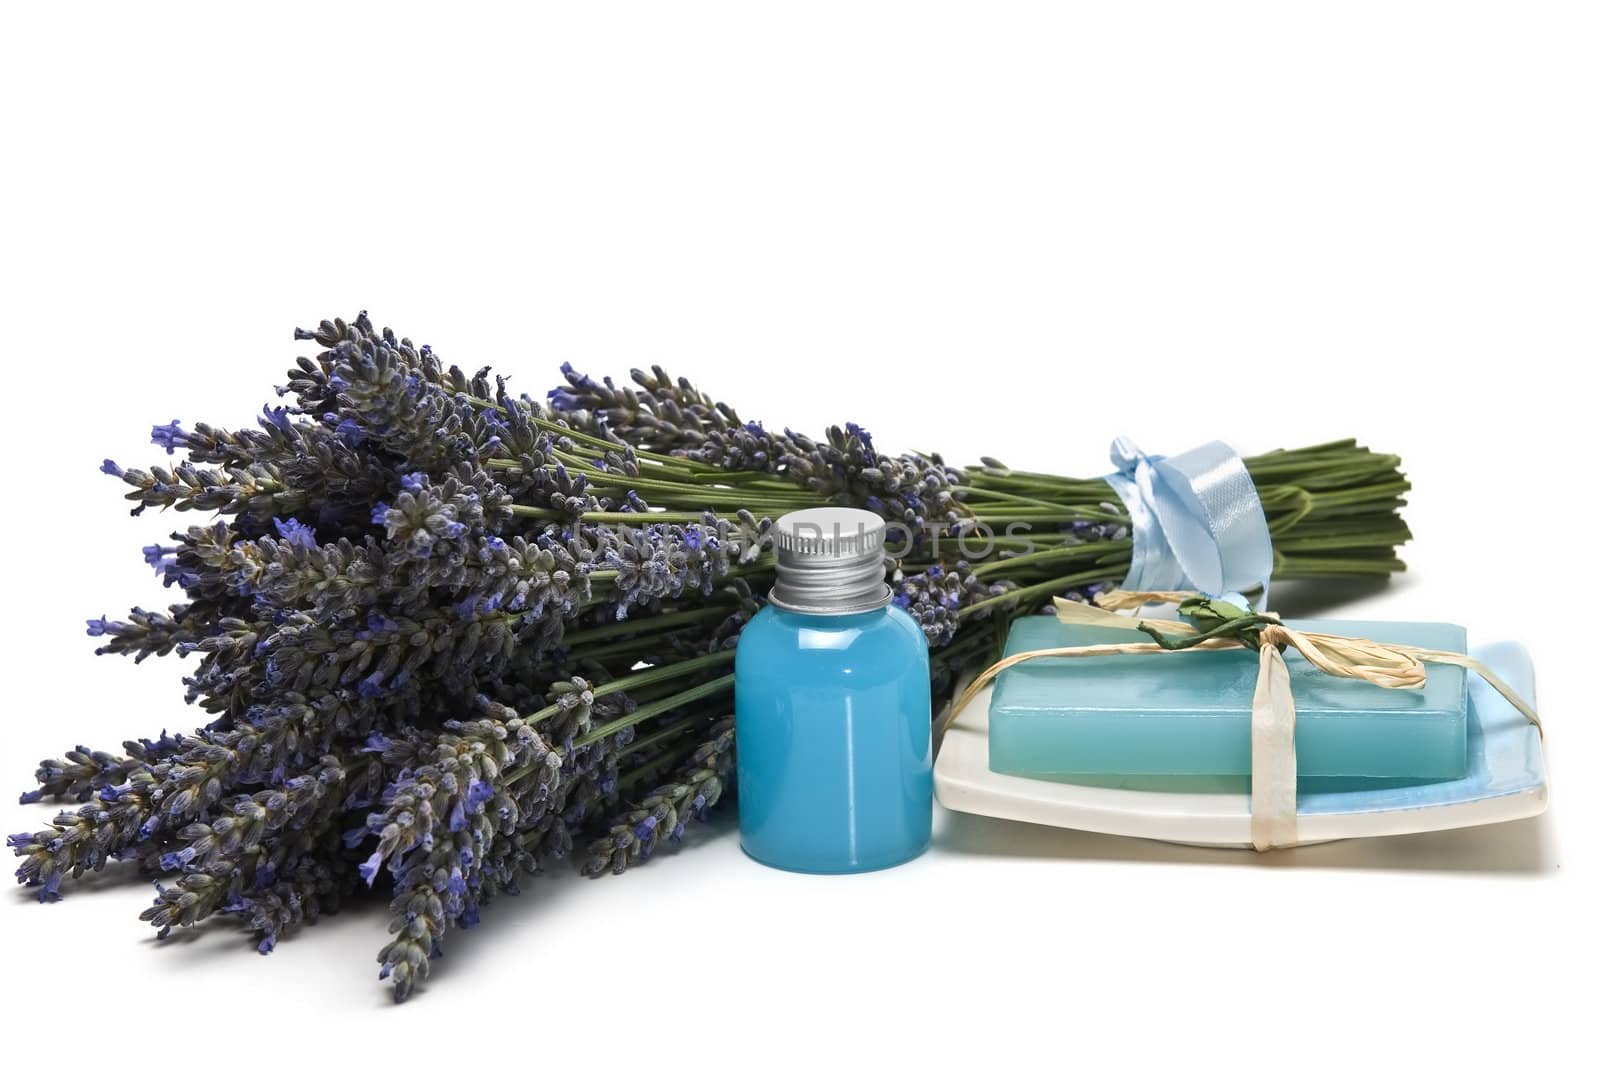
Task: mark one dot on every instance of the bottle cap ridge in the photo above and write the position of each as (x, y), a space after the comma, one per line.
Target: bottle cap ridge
(830, 560)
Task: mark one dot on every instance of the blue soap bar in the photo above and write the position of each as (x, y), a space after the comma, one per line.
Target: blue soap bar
(1189, 713)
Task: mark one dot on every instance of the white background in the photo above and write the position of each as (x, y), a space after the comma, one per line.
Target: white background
(985, 229)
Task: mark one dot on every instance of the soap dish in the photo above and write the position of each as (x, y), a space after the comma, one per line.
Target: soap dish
(1505, 781)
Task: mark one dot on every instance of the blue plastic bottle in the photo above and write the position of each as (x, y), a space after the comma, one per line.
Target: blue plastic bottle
(831, 703)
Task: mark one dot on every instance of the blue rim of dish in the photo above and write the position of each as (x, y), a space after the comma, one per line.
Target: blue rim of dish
(1504, 756)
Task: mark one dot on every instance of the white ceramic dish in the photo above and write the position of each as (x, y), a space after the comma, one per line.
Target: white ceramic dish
(1505, 781)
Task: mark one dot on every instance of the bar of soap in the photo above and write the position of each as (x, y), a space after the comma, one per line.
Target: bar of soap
(1189, 714)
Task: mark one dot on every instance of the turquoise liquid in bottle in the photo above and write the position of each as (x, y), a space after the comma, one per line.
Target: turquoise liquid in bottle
(832, 708)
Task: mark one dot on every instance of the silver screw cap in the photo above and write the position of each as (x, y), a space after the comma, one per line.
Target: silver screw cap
(829, 561)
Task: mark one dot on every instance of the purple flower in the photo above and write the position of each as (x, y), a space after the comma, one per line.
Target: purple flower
(378, 623)
(278, 417)
(376, 743)
(170, 436)
(296, 534)
(163, 745)
(177, 860)
(564, 401)
(111, 468)
(369, 869)
(348, 430)
(155, 556)
(478, 793)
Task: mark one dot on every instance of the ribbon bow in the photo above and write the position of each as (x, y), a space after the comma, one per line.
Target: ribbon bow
(1197, 521)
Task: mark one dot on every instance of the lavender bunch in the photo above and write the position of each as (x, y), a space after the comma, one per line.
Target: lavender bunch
(400, 569)
(668, 415)
(446, 636)
(1334, 509)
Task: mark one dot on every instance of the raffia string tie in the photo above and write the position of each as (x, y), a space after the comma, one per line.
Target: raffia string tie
(1225, 627)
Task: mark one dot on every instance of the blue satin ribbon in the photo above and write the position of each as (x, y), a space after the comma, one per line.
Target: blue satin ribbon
(1197, 521)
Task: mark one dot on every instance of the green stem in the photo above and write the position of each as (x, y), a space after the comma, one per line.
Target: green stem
(1048, 587)
(660, 706)
(642, 678)
(696, 720)
(670, 761)
(652, 517)
(1121, 550)
(669, 619)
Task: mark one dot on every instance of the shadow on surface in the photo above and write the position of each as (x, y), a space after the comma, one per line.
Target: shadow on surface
(562, 879)
(1510, 848)
(354, 933)
(1317, 598)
